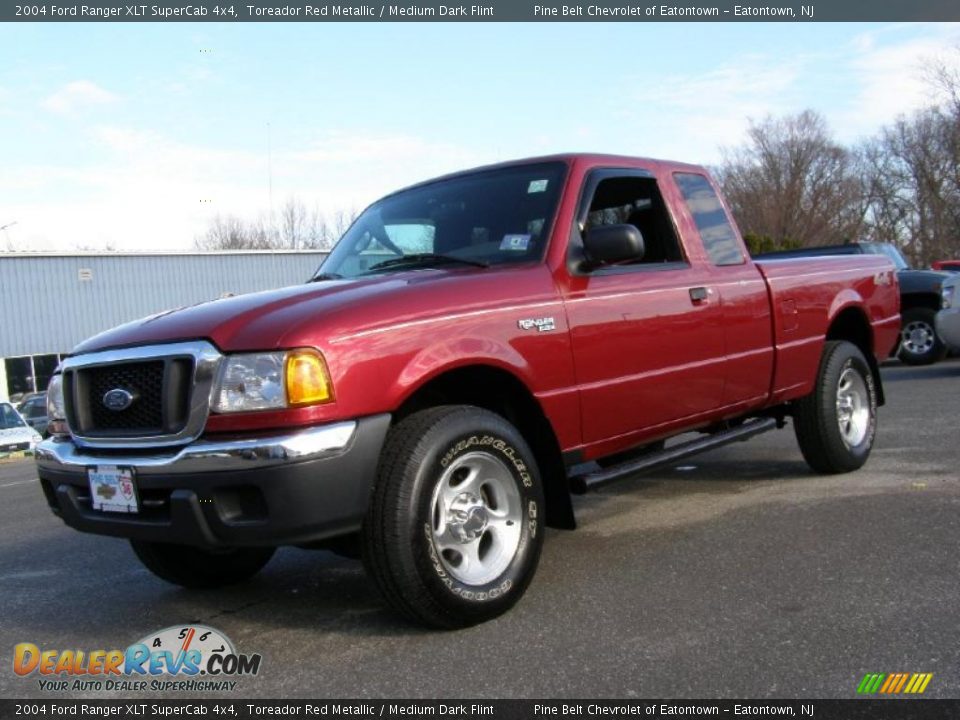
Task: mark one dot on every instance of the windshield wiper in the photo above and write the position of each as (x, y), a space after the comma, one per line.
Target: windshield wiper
(325, 276)
(427, 258)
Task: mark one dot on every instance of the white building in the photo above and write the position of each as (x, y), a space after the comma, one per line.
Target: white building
(51, 302)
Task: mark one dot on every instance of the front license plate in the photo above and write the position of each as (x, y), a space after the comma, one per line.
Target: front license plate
(113, 489)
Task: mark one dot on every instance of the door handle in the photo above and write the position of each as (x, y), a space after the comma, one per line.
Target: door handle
(698, 295)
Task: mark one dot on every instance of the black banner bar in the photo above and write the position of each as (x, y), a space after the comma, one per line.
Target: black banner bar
(893, 709)
(483, 11)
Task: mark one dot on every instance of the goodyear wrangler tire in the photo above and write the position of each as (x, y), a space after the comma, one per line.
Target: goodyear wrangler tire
(836, 424)
(454, 529)
(197, 568)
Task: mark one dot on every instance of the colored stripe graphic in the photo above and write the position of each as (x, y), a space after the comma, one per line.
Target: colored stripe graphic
(891, 680)
(894, 683)
(870, 683)
(903, 681)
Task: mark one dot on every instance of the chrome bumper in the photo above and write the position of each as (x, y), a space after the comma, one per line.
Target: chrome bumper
(203, 456)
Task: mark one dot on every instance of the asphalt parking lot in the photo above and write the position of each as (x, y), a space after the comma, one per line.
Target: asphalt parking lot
(738, 574)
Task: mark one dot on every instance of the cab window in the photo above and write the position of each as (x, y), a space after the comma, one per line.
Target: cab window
(636, 201)
(716, 232)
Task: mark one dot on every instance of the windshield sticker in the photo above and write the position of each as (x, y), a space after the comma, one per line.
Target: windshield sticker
(536, 186)
(515, 243)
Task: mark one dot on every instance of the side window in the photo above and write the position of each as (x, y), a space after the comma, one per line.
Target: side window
(716, 232)
(35, 409)
(636, 201)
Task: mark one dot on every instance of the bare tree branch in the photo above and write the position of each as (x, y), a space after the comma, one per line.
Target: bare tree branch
(791, 183)
(297, 227)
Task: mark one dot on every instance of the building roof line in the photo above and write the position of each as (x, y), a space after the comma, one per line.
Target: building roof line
(152, 253)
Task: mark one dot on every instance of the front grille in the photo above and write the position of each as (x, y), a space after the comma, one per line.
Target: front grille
(160, 390)
(144, 380)
(14, 447)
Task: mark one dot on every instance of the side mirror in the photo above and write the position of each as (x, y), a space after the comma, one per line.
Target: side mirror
(608, 244)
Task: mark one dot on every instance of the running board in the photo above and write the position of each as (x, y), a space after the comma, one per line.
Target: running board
(580, 484)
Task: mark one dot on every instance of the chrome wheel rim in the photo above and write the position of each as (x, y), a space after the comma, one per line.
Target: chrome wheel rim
(475, 518)
(853, 407)
(918, 337)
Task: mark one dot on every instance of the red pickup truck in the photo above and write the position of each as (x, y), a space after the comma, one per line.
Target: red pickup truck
(473, 350)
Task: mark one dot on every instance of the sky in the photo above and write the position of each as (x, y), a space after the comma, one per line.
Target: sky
(135, 136)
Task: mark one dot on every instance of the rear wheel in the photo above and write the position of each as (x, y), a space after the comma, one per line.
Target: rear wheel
(919, 342)
(453, 533)
(194, 567)
(836, 423)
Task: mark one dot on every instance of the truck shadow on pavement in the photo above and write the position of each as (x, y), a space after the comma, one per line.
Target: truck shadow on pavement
(300, 589)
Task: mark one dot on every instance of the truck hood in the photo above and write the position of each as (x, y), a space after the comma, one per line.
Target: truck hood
(305, 314)
(257, 321)
(918, 281)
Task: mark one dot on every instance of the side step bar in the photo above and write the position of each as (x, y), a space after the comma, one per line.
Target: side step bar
(580, 484)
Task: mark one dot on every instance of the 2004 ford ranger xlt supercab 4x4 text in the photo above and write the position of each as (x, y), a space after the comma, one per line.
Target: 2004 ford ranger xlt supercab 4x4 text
(473, 350)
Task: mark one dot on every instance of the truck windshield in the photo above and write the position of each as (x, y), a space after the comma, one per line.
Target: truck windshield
(892, 252)
(489, 217)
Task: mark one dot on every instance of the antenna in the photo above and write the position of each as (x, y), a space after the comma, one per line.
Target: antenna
(270, 171)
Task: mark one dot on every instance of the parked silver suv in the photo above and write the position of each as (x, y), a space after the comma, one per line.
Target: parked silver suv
(948, 319)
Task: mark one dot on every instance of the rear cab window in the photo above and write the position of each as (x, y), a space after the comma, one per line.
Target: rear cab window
(716, 231)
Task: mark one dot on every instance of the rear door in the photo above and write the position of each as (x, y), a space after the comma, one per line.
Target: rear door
(647, 336)
(742, 294)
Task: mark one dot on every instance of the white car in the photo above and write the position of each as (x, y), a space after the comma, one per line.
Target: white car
(948, 319)
(16, 437)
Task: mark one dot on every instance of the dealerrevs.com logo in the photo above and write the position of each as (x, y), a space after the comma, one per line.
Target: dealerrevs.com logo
(188, 658)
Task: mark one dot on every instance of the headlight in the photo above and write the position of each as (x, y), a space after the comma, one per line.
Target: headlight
(271, 381)
(55, 407)
(947, 294)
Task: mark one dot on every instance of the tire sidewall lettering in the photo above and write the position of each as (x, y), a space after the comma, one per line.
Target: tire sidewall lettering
(486, 441)
(523, 474)
(452, 585)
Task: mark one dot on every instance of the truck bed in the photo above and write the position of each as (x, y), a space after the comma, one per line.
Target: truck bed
(798, 288)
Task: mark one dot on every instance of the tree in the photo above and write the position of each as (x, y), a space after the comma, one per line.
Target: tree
(915, 186)
(913, 171)
(229, 232)
(791, 183)
(297, 227)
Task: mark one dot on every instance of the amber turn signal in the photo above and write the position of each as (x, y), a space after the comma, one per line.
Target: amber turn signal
(308, 382)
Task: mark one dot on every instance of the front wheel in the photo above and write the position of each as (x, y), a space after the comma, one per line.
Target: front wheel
(194, 567)
(454, 530)
(836, 423)
(919, 342)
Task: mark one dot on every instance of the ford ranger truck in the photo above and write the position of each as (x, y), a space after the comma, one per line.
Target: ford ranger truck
(474, 349)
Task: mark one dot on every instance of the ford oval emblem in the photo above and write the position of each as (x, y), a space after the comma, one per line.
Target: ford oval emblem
(118, 399)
